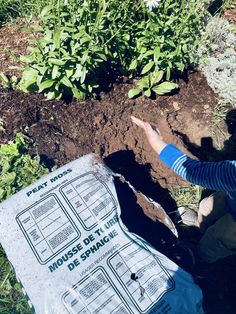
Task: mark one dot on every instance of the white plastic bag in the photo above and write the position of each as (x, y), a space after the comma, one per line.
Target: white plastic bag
(72, 253)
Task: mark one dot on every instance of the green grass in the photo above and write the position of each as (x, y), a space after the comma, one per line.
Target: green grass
(229, 4)
(11, 9)
(12, 299)
(187, 196)
(217, 123)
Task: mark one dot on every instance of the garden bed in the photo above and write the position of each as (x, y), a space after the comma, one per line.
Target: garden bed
(62, 132)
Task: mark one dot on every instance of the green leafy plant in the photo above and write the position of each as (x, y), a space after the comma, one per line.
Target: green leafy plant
(69, 58)
(8, 81)
(11, 9)
(12, 299)
(229, 4)
(18, 169)
(165, 38)
(150, 85)
(81, 43)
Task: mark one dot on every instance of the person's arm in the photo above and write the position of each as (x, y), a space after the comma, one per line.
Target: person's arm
(220, 176)
(212, 175)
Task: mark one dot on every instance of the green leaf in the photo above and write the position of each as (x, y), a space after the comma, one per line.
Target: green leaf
(55, 71)
(156, 77)
(102, 56)
(83, 75)
(144, 83)
(4, 78)
(56, 61)
(147, 54)
(77, 93)
(42, 70)
(18, 169)
(51, 95)
(57, 38)
(69, 72)
(9, 150)
(29, 78)
(85, 40)
(185, 48)
(133, 65)
(26, 59)
(2, 193)
(164, 88)
(66, 82)
(168, 73)
(46, 10)
(78, 71)
(180, 66)
(148, 92)
(8, 178)
(46, 84)
(148, 67)
(134, 92)
(157, 52)
(85, 57)
(39, 79)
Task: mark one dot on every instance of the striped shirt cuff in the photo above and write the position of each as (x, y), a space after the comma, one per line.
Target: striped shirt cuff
(170, 154)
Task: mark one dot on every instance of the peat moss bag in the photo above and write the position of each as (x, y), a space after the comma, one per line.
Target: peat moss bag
(73, 254)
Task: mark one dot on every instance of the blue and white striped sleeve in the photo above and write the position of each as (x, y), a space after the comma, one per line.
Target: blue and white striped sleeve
(219, 176)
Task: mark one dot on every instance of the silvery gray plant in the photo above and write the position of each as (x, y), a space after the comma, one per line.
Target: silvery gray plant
(216, 55)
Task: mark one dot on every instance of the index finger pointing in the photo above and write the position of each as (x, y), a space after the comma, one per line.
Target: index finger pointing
(138, 122)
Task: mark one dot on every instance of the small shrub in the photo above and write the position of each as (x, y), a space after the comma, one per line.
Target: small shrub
(72, 53)
(217, 59)
(220, 72)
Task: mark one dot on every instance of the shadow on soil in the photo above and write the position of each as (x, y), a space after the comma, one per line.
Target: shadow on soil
(217, 280)
(124, 163)
(132, 215)
(206, 151)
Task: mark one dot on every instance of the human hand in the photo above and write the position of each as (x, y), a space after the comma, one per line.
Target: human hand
(152, 133)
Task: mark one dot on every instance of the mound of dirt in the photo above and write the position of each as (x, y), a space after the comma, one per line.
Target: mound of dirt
(63, 132)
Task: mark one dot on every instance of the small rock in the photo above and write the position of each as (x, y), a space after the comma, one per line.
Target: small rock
(176, 106)
(206, 106)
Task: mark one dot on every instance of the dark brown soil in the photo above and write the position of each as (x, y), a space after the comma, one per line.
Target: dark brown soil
(64, 132)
